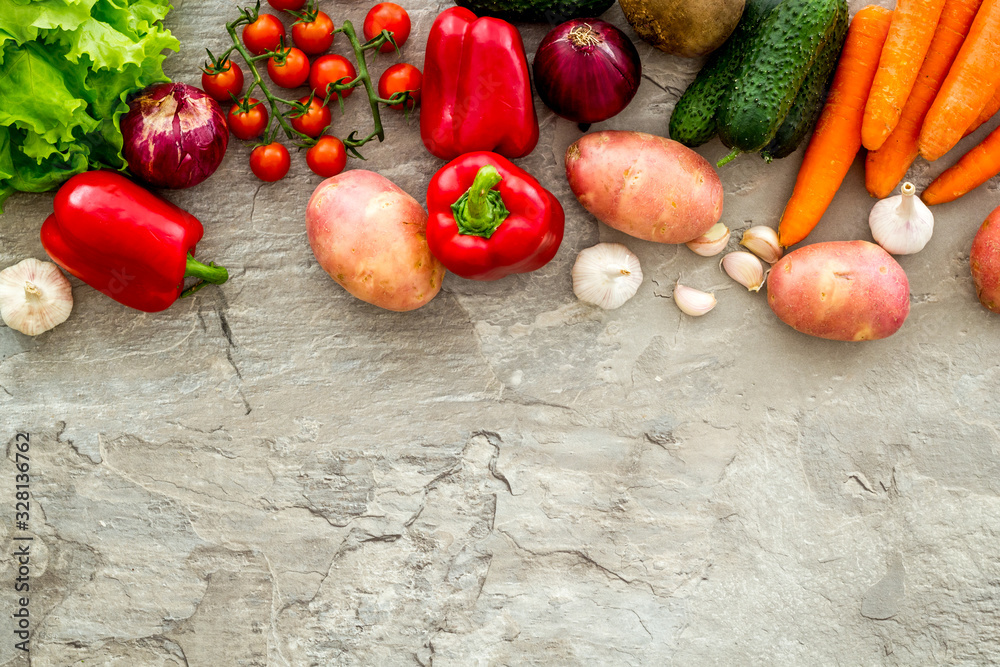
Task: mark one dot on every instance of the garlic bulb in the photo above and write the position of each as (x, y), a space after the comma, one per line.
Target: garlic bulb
(763, 242)
(693, 302)
(745, 269)
(902, 224)
(606, 275)
(34, 296)
(711, 242)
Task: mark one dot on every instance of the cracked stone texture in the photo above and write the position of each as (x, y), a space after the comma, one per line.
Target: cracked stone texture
(274, 473)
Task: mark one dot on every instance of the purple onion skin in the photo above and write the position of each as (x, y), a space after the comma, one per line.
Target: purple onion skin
(175, 135)
(586, 70)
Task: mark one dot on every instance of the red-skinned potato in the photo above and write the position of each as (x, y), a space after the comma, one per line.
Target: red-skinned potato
(984, 260)
(841, 290)
(647, 186)
(369, 236)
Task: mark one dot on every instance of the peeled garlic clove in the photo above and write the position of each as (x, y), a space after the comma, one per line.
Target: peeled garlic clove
(606, 275)
(34, 296)
(692, 301)
(763, 242)
(903, 224)
(711, 242)
(745, 269)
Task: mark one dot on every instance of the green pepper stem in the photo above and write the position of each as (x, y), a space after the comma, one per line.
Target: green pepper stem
(208, 274)
(480, 210)
(729, 158)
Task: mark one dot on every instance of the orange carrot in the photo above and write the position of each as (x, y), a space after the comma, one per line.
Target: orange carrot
(887, 166)
(837, 138)
(988, 111)
(975, 168)
(971, 82)
(913, 26)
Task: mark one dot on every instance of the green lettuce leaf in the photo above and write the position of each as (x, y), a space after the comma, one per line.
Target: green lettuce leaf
(66, 69)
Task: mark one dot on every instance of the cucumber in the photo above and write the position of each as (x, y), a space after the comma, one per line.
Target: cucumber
(693, 120)
(809, 102)
(772, 72)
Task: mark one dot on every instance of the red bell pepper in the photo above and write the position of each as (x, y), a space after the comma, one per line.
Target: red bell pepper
(125, 241)
(484, 233)
(476, 94)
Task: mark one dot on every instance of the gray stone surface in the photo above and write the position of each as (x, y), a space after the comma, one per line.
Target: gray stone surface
(273, 473)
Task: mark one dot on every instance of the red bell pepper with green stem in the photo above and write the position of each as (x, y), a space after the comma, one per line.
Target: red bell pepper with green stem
(476, 93)
(125, 241)
(489, 218)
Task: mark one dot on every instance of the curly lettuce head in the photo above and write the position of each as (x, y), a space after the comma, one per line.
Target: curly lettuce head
(66, 69)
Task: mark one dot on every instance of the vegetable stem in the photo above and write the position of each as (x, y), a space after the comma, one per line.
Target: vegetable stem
(480, 210)
(209, 274)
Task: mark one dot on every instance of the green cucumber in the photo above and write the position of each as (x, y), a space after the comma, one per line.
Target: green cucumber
(772, 72)
(693, 120)
(802, 117)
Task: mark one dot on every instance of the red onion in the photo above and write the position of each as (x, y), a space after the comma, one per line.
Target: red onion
(586, 70)
(175, 135)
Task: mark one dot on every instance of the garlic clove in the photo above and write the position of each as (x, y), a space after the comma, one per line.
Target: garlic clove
(692, 301)
(903, 224)
(763, 242)
(745, 269)
(606, 275)
(34, 296)
(712, 242)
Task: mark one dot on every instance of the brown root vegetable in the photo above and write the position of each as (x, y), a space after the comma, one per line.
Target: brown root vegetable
(984, 260)
(840, 290)
(647, 186)
(686, 28)
(370, 236)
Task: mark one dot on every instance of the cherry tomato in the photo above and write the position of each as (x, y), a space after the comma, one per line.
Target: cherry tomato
(250, 124)
(328, 157)
(315, 120)
(387, 16)
(293, 72)
(330, 69)
(313, 36)
(396, 79)
(270, 163)
(264, 34)
(294, 5)
(220, 82)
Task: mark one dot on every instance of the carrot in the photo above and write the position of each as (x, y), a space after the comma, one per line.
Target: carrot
(971, 82)
(988, 111)
(910, 33)
(975, 168)
(837, 137)
(887, 166)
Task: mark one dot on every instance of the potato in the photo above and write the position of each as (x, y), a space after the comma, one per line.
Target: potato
(688, 28)
(841, 290)
(647, 186)
(370, 237)
(984, 260)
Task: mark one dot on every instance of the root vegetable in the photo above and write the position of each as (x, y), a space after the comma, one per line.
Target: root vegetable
(370, 236)
(841, 290)
(647, 186)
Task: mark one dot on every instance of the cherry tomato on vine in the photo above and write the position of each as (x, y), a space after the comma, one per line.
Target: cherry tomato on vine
(313, 36)
(270, 163)
(330, 69)
(314, 120)
(264, 34)
(250, 124)
(294, 5)
(221, 81)
(387, 16)
(291, 73)
(396, 79)
(328, 157)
